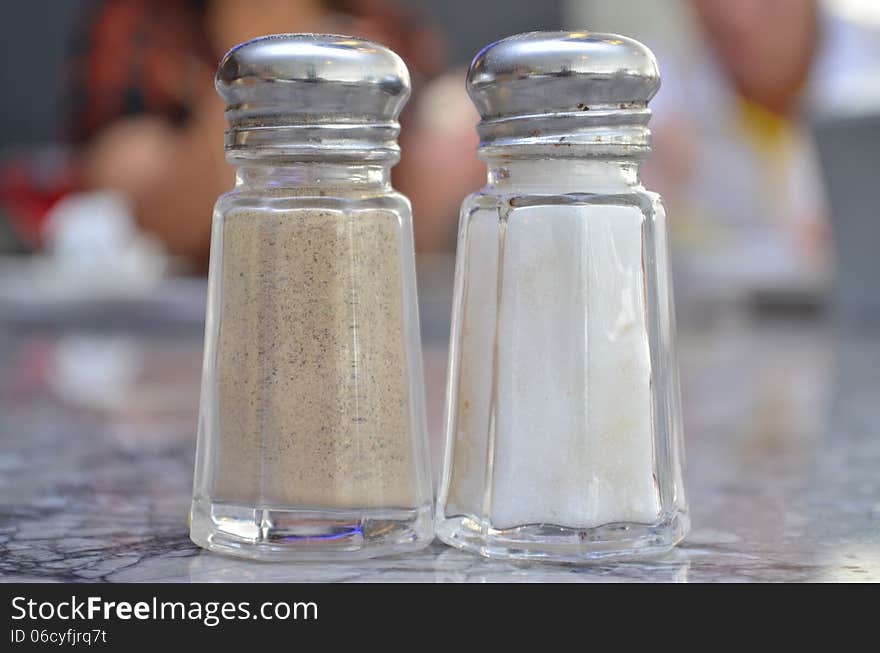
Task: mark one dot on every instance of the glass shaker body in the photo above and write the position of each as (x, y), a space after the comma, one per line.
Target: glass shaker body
(563, 437)
(312, 435)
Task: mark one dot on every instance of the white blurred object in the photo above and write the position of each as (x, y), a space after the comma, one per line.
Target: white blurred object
(846, 78)
(96, 372)
(95, 247)
(861, 12)
(94, 253)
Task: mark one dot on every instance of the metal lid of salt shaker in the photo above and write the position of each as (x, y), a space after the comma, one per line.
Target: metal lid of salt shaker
(558, 92)
(312, 96)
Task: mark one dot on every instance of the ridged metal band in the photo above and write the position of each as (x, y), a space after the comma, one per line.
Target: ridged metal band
(376, 142)
(599, 130)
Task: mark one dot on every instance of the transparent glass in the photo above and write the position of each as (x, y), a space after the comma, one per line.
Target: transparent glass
(563, 437)
(312, 434)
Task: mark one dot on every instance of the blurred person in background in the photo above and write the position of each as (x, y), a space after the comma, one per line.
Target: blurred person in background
(733, 156)
(147, 122)
(439, 163)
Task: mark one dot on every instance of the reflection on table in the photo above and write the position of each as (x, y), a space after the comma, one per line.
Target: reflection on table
(97, 421)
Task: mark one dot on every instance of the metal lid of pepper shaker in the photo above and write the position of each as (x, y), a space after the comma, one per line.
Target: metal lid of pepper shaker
(312, 96)
(558, 92)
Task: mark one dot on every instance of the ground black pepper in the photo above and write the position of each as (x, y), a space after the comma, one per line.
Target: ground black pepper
(312, 375)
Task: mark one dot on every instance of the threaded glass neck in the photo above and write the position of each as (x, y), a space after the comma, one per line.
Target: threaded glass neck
(562, 175)
(314, 175)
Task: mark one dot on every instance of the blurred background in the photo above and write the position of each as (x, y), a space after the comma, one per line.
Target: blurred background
(766, 133)
(766, 148)
(766, 142)
(765, 127)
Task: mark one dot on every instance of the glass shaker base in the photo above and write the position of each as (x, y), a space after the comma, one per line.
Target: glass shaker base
(553, 543)
(308, 533)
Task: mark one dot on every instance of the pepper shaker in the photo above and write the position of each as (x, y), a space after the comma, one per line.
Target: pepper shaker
(312, 436)
(563, 436)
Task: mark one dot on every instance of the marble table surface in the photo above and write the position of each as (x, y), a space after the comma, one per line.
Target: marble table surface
(97, 437)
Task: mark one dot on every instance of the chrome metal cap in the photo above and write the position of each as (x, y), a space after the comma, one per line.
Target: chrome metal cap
(312, 96)
(556, 93)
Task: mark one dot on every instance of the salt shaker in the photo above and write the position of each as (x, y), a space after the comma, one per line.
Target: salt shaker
(563, 438)
(312, 434)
